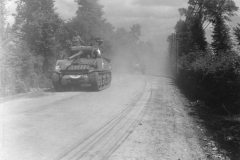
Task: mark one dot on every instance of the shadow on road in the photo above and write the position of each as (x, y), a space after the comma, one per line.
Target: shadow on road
(217, 136)
(70, 89)
(46, 92)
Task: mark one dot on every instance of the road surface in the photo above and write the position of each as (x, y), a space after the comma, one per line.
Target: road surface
(138, 117)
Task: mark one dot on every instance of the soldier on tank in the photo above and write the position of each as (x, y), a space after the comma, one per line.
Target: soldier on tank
(78, 41)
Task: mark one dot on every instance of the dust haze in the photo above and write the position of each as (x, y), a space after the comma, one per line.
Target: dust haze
(157, 20)
(156, 64)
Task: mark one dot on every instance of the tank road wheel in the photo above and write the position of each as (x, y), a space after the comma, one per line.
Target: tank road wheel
(95, 81)
(99, 81)
(109, 78)
(56, 81)
(104, 80)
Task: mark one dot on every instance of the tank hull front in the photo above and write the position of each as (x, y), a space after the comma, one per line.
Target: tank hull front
(98, 80)
(82, 71)
(75, 79)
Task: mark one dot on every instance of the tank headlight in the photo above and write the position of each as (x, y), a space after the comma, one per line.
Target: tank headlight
(57, 68)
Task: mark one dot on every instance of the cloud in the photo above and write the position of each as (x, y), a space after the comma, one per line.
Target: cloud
(143, 12)
(66, 8)
(176, 3)
(123, 8)
(11, 8)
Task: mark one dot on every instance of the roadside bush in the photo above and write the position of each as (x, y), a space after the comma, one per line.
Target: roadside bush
(20, 70)
(215, 79)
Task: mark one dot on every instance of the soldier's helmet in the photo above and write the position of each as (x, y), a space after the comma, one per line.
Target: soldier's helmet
(76, 40)
(99, 41)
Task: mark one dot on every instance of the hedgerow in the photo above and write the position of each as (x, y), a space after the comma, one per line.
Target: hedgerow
(215, 79)
(20, 70)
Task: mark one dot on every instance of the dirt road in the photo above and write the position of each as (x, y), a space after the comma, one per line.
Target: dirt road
(138, 117)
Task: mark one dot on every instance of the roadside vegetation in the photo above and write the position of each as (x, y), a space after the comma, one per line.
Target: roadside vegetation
(30, 47)
(209, 73)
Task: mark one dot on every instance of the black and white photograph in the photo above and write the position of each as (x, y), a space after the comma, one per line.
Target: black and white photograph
(119, 80)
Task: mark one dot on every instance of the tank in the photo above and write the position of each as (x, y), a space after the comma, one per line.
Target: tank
(137, 65)
(86, 66)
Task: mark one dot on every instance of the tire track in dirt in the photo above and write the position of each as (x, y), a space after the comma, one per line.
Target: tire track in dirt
(165, 131)
(105, 140)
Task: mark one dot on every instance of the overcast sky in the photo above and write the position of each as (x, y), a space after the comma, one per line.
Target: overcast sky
(156, 17)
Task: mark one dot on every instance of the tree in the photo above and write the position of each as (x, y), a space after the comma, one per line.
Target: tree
(37, 23)
(221, 36)
(90, 8)
(225, 8)
(122, 42)
(200, 13)
(237, 33)
(209, 9)
(181, 28)
(87, 23)
(127, 41)
(218, 13)
(197, 35)
(3, 14)
(135, 30)
(88, 18)
(193, 24)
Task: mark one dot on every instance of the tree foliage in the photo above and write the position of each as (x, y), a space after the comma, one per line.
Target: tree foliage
(20, 70)
(209, 72)
(221, 36)
(88, 20)
(200, 14)
(87, 23)
(37, 23)
(184, 37)
(3, 14)
(237, 33)
(210, 9)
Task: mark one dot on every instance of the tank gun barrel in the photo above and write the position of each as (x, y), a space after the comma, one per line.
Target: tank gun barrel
(80, 48)
(75, 55)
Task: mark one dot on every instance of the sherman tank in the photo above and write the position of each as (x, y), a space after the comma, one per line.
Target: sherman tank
(86, 66)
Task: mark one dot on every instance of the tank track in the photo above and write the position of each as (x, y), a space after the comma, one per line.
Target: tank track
(100, 80)
(56, 82)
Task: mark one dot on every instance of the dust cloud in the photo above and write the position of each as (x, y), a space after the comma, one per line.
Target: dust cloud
(156, 64)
